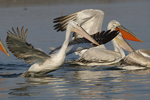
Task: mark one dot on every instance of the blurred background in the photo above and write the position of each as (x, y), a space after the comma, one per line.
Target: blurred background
(17, 3)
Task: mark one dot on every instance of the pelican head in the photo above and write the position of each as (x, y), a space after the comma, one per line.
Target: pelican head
(115, 25)
(75, 27)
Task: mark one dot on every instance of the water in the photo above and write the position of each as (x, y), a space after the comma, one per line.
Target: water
(72, 81)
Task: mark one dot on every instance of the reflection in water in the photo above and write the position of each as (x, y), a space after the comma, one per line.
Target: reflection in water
(82, 84)
(99, 83)
(35, 86)
(2, 95)
(22, 91)
(139, 72)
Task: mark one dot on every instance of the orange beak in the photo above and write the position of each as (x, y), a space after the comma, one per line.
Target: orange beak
(127, 34)
(3, 48)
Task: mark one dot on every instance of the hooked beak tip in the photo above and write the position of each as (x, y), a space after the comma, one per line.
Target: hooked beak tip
(8, 55)
(98, 44)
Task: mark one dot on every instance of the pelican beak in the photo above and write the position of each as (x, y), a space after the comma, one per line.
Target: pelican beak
(3, 48)
(79, 30)
(127, 34)
(123, 43)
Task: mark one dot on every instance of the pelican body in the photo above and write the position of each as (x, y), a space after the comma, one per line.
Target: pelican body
(97, 56)
(101, 56)
(43, 63)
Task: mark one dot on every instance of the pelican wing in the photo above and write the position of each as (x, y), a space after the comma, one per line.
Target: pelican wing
(62, 22)
(100, 37)
(82, 43)
(90, 19)
(17, 44)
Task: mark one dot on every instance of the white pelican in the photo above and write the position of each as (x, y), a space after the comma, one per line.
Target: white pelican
(91, 20)
(100, 56)
(3, 48)
(140, 57)
(97, 56)
(43, 63)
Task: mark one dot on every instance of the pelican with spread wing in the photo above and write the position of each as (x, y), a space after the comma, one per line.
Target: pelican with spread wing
(99, 56)
(91, 20)
(43, 63)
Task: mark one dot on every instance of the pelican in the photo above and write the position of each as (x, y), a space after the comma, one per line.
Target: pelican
(91, 20)
(100, 56)
(43, 63)
(96, 56)
(140, 57)
(3, 48)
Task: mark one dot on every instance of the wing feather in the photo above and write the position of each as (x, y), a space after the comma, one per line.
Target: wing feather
(22, 29)
(25, 34)
(62, 22)
(21, 49)
(90, 19)
(14, 31)
(101, 38)
(18, 32)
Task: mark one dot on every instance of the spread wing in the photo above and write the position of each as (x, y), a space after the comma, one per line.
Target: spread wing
(16, 42)
(82, 43)
(90, 20)
(62, 21)
(100, 37)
